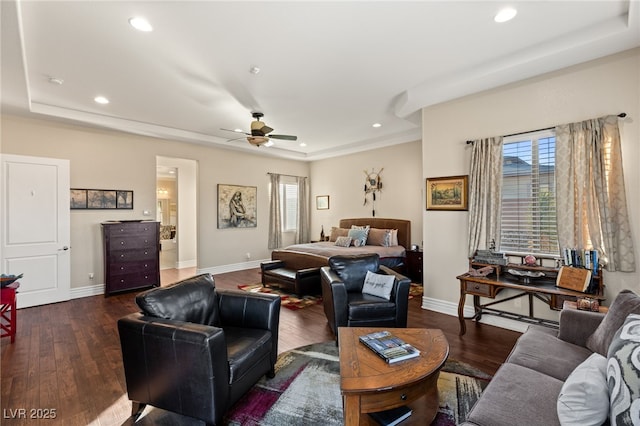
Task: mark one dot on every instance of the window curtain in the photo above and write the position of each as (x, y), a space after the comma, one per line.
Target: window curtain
(302, 234)
(591, 201)
(275, 222)
(485, 187)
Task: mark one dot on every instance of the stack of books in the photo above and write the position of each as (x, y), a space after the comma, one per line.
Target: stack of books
(390, 348)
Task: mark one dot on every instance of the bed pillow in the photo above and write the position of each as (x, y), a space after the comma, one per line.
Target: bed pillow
(337, 232)
(394, 238)
(584, 398)
(343, 241)
(378, 285)
(358, 236)
(379, 237)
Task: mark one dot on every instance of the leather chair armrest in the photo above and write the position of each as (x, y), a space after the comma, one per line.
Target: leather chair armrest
(271, 264)
(334, 298)
(400, 295)
(576, 325)
(199, 377)
(251, 310)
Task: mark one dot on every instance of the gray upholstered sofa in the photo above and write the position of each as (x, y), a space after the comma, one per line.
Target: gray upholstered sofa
(569, 376)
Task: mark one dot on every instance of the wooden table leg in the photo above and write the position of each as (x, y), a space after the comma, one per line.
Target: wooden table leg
(463, 297)
(352, 414)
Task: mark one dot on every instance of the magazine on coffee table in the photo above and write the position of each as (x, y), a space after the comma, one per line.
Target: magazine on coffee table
(389, 347)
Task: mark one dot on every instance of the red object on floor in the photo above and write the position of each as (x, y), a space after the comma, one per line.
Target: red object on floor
(8, 319)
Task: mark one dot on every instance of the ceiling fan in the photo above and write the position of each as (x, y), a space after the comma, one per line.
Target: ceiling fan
(259, 135)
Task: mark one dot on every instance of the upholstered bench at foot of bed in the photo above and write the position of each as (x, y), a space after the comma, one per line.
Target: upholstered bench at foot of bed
(301, 282)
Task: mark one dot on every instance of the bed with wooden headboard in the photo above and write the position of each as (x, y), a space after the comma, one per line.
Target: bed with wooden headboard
(313, 255)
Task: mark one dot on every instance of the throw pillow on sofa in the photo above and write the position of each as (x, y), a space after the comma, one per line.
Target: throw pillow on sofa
(623, 373)
(625, 303)
(378, 285)
(584, 398)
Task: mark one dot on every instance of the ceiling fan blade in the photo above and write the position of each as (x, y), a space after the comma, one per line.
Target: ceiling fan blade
(235, 131)
(266, 129)
(284, 137)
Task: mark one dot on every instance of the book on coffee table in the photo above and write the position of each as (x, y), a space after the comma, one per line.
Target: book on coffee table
(389, 347)
(391, 417)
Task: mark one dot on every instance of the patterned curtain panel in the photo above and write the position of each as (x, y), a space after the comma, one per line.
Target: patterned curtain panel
(485, 187)
(591, 201)
(302, 234)
(275, 223)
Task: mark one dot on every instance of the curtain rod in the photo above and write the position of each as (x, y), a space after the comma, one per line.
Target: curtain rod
(621, 115)
(282, 174)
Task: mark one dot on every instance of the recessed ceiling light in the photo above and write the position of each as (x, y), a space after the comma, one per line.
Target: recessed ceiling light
(57, 81)
(140, 24)
(506, 14)
(376, 125)
(254, 70)
(101, 100)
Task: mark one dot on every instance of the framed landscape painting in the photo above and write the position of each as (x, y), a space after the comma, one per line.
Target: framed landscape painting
(447, 193)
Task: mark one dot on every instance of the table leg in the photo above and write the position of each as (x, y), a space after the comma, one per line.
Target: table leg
(352, 415)
(463, 297)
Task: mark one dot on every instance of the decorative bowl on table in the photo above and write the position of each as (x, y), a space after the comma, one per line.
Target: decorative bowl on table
(526, 276)
(5, 280)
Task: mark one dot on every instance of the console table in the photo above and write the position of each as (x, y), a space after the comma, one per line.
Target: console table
(489, 287)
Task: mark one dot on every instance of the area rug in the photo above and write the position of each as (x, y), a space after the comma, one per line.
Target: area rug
(293, 302)
(306, 391)
(288, 300)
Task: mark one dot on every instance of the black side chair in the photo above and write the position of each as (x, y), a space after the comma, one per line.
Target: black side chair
(346, 306)
(195, 350)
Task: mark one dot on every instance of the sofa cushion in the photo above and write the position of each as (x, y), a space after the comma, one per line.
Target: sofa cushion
(625, 303)
(191, 300)
(517, 396)
(246, 347)
(378, 285)
(623, 373)
(584, 398)
(365, 307)
(535, 348)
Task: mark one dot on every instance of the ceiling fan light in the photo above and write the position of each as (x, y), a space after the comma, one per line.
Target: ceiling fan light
(268, 143)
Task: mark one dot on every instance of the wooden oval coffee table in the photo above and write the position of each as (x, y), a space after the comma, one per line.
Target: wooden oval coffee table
(368, 384)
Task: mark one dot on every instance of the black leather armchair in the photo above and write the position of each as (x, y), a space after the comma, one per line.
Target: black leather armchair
(195, 350)
(346, 306)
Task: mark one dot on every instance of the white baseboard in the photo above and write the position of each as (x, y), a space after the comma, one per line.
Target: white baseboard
(232, 267)
(187, 264)
(90, 290)
(450, 308)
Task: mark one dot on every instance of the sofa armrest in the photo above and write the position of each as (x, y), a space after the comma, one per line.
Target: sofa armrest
(576, 326)
(308, 272)
(198, 378)
(271, 264)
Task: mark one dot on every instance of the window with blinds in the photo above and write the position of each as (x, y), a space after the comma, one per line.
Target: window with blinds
(528, 216)
(289, 206)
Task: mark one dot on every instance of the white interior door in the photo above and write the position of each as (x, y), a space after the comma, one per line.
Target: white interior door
(35, 227)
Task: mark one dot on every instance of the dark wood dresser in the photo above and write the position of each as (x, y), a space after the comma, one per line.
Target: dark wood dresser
(414, 265)
(131, 255)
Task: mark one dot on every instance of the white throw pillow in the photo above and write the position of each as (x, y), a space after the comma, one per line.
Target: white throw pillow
(343, 241)
(584, 398)
(378, 285)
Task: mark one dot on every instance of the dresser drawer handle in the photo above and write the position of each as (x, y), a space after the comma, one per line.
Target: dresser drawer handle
(403, 397)
(477, 287)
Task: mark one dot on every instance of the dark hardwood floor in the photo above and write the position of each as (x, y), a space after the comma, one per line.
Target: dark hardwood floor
(66, 361)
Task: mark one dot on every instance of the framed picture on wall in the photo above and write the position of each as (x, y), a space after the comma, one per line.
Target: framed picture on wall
(237, 206)
(322, 202)
(98, 199)
(447, 193)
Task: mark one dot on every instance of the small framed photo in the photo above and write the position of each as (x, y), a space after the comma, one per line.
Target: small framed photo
(124, 200)
(322, 202)
(78, 198)
(448, 193)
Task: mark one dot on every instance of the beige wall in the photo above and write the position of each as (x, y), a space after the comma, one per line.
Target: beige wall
(105, 160)
(343, 179)
(607, 86)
